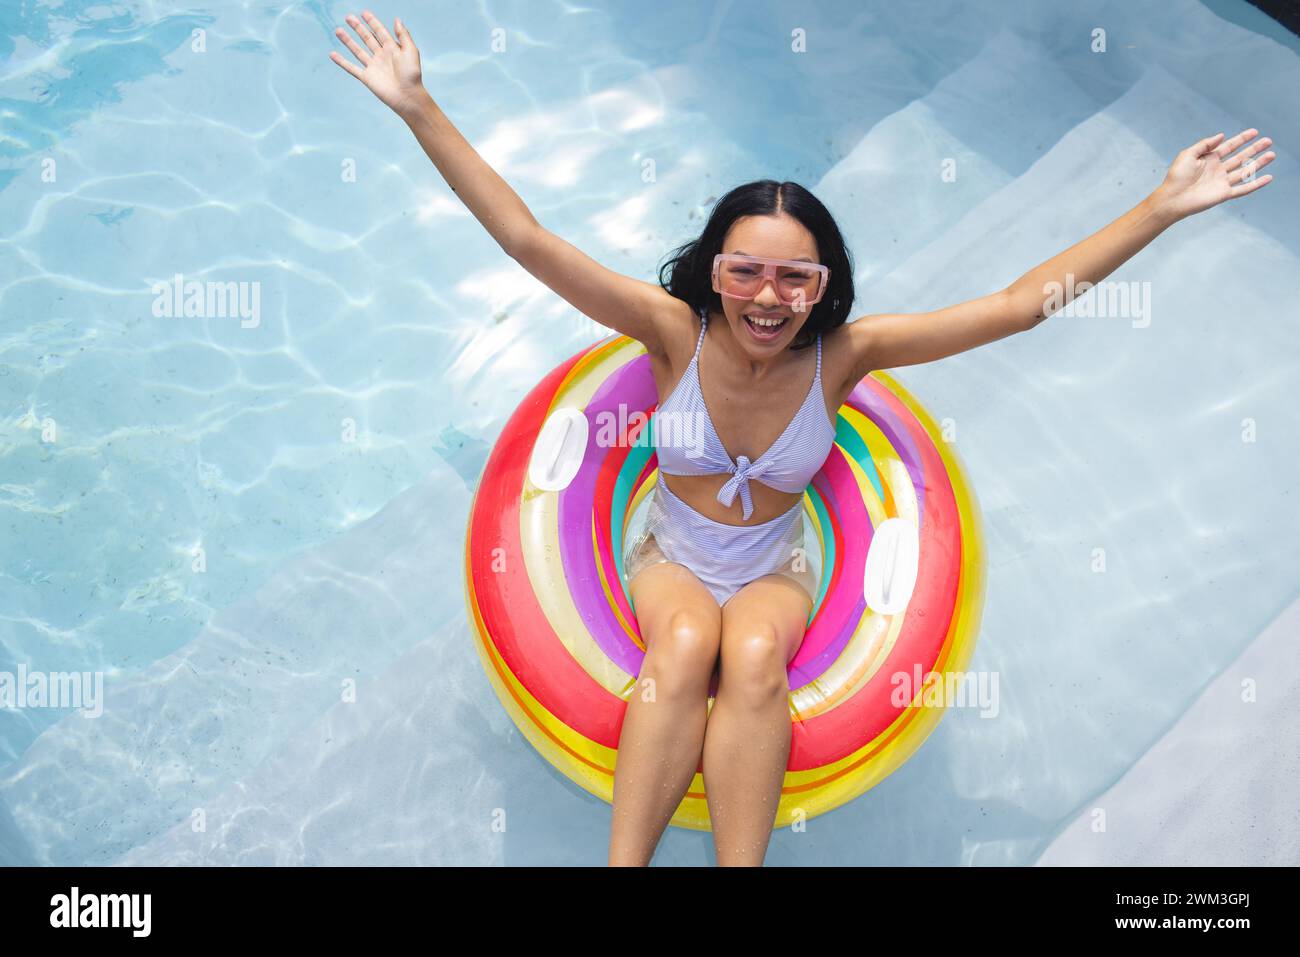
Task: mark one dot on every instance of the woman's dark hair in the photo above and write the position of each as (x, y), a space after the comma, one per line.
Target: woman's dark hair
(690, 267)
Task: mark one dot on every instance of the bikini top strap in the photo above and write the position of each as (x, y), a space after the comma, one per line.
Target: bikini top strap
(704, 324)
(819, 355)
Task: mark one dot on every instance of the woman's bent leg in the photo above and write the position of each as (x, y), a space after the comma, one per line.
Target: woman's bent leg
(747, 742)
(662, 736)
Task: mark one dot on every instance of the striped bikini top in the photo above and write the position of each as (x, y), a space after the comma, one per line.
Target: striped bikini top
(788, 465)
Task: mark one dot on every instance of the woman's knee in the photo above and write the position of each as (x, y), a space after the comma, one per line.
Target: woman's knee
(753, 663)
(685, 650)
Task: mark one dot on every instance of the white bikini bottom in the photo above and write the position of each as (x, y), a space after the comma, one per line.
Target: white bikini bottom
(724, 557)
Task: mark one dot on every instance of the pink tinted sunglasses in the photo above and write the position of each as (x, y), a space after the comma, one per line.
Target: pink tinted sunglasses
(797, 283)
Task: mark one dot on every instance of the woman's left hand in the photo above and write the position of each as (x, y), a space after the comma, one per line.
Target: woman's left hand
(1203, 176)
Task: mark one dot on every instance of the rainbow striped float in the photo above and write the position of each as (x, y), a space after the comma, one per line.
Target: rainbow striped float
(898, 607)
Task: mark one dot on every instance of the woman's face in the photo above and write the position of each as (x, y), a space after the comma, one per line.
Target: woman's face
(772, 237)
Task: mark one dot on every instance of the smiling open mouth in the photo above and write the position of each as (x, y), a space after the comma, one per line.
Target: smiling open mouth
(765, 328)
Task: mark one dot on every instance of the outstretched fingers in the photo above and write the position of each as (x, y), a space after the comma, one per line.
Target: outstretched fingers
(346, 64)
(1242, 186)
(377, 25)
(1242, 167)
(368, 38)
(1235, 161)
(1228, 146)
(351, 44)
(1251, 167)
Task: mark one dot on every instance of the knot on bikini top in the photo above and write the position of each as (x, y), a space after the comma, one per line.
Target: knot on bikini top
(742, 472)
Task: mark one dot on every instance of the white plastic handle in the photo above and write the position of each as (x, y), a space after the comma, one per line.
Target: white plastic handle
(559, 450)
(892, 565)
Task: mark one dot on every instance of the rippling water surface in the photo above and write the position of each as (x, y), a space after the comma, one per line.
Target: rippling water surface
(229, 516)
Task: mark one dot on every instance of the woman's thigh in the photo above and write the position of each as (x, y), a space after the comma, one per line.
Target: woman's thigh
(666, 593)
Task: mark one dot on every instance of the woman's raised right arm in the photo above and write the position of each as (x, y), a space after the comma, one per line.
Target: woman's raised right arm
(390, 68)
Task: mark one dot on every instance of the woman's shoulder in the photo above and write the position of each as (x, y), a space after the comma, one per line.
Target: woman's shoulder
(837, 360)
(679, 330)
(682, 328)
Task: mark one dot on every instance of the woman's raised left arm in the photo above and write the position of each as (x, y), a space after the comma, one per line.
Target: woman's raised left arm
(1200, 177)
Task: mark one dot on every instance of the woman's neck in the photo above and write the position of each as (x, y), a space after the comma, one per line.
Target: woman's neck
(754, 369)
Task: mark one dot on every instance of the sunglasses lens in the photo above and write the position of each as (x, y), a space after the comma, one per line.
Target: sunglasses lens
(743, 280)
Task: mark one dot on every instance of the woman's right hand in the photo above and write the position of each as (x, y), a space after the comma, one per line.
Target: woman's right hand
(390, 68)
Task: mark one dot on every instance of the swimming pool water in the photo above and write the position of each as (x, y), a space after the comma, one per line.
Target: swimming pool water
(232, 517)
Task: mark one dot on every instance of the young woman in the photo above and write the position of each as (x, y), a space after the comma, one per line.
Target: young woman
(752, 357)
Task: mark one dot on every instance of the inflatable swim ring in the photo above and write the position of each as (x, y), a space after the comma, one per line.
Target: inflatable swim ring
(898, 604)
